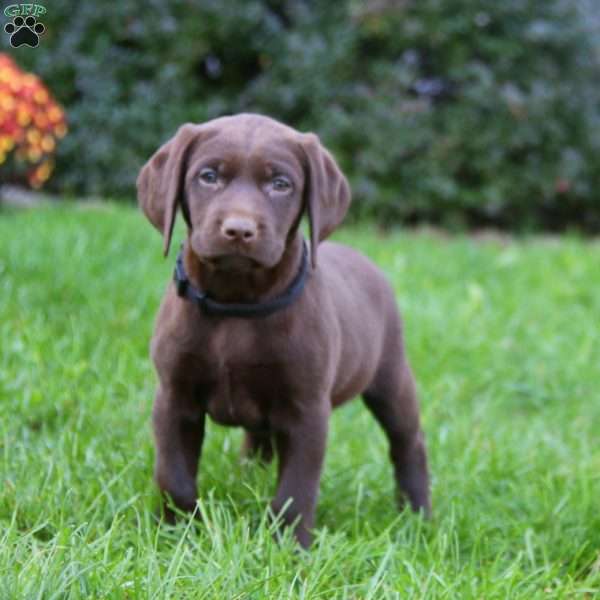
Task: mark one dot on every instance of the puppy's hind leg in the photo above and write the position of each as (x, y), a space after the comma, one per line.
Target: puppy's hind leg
(392, 399)
(258, 445)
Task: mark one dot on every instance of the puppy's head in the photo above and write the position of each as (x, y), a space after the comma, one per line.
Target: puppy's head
(243, 184)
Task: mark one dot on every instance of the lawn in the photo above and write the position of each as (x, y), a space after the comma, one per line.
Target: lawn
(503, 336)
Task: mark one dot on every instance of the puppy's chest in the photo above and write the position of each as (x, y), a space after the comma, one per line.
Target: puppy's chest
(241, 383)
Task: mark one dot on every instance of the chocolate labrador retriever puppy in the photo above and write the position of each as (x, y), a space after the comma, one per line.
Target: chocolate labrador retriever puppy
(258, 330)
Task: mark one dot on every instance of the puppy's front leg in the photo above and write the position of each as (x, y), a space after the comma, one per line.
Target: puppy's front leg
(178, 432)
(301, 450)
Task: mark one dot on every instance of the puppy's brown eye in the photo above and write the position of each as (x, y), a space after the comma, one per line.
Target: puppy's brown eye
(281, 184)
(209, 176)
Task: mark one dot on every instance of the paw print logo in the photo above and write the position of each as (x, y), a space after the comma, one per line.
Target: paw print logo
(24, 32)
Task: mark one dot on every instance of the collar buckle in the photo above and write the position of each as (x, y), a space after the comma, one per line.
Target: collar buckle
(180, 277)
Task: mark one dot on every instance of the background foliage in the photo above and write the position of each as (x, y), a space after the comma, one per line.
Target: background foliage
(454, 111)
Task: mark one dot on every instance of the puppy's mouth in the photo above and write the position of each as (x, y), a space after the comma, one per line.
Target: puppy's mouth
(235, 257)
(231, 262)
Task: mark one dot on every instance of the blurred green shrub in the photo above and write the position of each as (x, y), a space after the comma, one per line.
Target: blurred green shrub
(459, 111)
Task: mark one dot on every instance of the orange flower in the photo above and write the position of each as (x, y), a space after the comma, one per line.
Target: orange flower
(48, 143)
(31, 122)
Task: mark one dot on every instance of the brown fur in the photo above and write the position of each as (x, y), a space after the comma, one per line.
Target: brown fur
(279, 376)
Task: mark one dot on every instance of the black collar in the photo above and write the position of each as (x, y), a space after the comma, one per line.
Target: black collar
(248, 310)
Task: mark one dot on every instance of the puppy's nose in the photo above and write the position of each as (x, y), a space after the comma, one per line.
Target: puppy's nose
(238, 228)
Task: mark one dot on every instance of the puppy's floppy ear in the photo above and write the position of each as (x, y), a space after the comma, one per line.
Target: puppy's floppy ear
(327, 193)
(161, 181)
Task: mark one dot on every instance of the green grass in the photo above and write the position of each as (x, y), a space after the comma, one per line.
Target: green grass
(503, 337)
